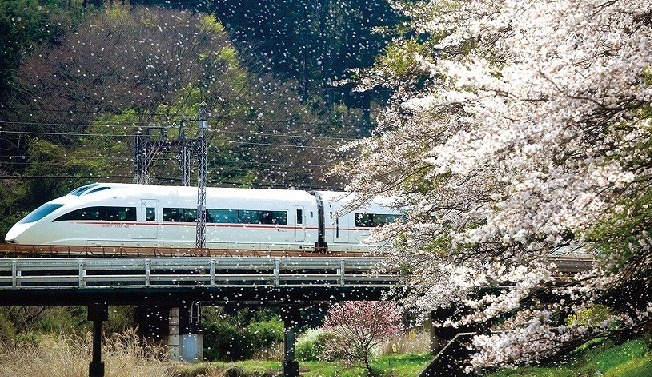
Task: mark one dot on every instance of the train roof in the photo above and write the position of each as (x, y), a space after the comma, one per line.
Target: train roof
(125, 189)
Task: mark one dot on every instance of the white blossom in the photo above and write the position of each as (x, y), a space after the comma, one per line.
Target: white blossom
(525, 133)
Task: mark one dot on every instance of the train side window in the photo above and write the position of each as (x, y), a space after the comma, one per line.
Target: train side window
(222, 216)
(186, 215)
(118, 214)
(247, 217)
(272, 217)
(100, 213)
(370, 220)
(90, 213)
(364, 220)
(150, 214)
(299, 216)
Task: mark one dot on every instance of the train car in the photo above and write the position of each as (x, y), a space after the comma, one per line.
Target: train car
(111, 214)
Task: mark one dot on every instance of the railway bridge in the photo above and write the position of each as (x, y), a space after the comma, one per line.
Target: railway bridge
(178, 282)
(178, 279)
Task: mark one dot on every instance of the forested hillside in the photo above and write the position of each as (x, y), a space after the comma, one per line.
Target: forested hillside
(81, 79)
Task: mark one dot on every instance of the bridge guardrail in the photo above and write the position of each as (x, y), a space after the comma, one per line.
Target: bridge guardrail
(40, 273)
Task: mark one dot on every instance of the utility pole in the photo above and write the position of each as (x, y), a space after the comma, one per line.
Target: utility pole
(140, 163)
(184, 156)
(200, 240)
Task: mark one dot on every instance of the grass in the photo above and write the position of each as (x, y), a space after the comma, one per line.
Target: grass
(395, 365)
(69, 356)
(598, 357)
(124, 356)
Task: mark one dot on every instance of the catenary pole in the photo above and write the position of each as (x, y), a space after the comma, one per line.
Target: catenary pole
(200, 240)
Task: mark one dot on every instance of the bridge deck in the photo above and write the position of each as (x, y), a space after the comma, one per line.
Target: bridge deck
(17, 250)
(28, 281)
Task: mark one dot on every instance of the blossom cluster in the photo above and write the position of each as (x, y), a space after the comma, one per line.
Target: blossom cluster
(358, 327)
(523, 126)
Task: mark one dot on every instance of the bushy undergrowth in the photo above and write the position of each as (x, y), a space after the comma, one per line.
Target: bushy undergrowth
(231, 340)
(310, 346)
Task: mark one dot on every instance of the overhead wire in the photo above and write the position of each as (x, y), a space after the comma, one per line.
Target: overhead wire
(124, 135)
(282, 184)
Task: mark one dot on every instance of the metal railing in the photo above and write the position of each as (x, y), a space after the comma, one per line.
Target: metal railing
(81, 273)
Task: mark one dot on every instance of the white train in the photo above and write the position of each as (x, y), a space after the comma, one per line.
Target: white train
(113, 214)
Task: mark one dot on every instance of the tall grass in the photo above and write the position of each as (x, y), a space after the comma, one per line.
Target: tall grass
(69, 356)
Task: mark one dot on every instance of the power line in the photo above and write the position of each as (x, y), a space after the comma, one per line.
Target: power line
(133, 136)
(146, 123)
(130, 178)
(83, 134)
(279, 163)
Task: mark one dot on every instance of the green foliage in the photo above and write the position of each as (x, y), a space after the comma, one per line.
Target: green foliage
(229, 369)
(25, 24)
(399, 58)
(48, 162)
(597, 357)
(208, 23)
(408, 365)
(121, 319)
(311, 345)
(307, 41)
(592, 316)
(13, 198)
(618, 236)
(66, 320)
(621, 354)
(239, 336)
(634, 368)
(7, 329)
(25, 325)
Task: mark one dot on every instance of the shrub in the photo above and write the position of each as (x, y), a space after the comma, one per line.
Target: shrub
(265, 334)
(359, 326)
(311, 345)
(225, 340)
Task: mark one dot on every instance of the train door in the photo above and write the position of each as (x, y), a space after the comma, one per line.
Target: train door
(148, 224)
(300, 225)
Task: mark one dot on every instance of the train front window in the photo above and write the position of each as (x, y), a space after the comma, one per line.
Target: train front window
(79, 191)
(100, 213)
(40, 213)
(97, 189)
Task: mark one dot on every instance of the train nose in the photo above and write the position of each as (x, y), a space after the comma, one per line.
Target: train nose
(16, 231)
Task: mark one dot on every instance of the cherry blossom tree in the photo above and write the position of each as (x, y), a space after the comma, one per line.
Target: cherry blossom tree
(358, 327)
(517, 127)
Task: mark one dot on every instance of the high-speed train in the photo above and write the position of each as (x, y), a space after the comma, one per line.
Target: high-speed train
(114, 214)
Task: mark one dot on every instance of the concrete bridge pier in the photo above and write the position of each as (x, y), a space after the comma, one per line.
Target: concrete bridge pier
(174, 343)
(191, 339)
(177, 327)
(97, 313)
(290, 316)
